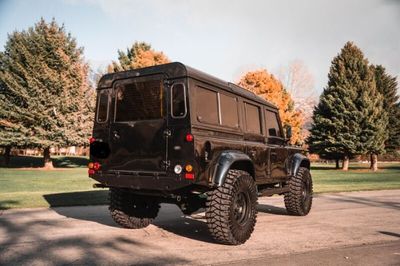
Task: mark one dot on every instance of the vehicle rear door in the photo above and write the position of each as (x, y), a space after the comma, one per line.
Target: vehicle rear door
(138, 125)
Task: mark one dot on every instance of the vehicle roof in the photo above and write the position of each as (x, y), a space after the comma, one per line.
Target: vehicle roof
(179, 70)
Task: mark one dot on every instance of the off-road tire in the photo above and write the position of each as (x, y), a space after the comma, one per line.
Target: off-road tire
(223, 208)
(132, 211)
(298, 200)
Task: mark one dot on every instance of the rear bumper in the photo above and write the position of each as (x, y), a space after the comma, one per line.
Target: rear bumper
(140, 182)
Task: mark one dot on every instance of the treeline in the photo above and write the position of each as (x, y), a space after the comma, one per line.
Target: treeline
(47, 96)
(358, 111)
(47, 99)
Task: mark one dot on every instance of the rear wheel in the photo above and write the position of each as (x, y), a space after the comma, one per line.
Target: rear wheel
(132, 211)
(298, 200)
(231, 209)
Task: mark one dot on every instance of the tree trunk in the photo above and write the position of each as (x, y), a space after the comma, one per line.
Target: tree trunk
(345, 163)
(374, 162)
(7, 156)
(48, 164)
(337, 163)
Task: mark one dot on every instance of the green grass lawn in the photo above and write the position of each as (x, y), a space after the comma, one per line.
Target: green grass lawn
(66, 185)
(69, 185)
(359, 177)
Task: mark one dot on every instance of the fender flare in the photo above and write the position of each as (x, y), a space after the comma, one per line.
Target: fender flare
(221, 164)
(298, 160)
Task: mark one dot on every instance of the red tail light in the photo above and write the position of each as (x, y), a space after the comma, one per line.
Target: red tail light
(96, 166)
(91, 140)
(189, 137)
(189, 176)
(91, 172)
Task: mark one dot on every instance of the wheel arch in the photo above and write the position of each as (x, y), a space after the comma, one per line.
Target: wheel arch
(226, 160)
(296, 161)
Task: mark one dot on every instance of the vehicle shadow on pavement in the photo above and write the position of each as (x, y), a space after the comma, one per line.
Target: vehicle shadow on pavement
(25, 242)
(169, 219)
(77, 198)
(192, 227)
(97, 214)
(272, 209)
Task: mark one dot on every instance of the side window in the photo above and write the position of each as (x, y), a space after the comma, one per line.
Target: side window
(102, 106)
(253, 120)
(272, 124)
(178, 100)
(206, 106)
(229, 111)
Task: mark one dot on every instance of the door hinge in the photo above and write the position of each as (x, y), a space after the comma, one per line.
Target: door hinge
(166, 164)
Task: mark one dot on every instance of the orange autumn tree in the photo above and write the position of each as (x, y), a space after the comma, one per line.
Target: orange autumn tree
(139, 55)
(268, 87)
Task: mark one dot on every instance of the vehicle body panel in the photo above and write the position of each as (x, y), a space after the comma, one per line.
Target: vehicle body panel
(143, 153)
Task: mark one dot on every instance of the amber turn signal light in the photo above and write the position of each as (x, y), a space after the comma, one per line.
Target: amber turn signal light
(95, 166)
(188, 168)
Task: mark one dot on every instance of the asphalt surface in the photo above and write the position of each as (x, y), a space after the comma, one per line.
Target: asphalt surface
(359, 228)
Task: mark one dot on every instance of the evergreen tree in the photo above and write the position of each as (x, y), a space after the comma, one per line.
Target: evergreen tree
(45, 97)
(12, 133)
(349, 118)
(373, 121)
(387, 86)
(139, 55)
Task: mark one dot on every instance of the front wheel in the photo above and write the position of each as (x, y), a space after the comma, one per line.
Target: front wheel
(231, 209)
(298, 200)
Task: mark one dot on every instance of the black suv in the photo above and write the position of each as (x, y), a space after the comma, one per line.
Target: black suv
(173, 134)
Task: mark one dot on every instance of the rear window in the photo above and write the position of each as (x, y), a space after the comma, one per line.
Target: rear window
(139, 99)
(102, 106)
(178, 101)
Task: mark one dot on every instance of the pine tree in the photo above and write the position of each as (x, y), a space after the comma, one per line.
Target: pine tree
(45, 97)
(349, 118)
(270, 88)
(374, 121)
(139, 55)
(388, 87)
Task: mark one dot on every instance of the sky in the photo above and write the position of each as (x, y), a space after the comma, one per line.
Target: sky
(224, 38)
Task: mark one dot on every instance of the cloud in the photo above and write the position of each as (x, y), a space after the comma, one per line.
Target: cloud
(237, 34)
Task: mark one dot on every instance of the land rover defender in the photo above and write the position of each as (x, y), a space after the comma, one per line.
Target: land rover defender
(172, 134)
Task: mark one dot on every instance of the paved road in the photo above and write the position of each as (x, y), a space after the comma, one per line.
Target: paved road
(342, 228)
(386, 253)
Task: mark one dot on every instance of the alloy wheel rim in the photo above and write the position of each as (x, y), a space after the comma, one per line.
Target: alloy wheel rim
(241, 208)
